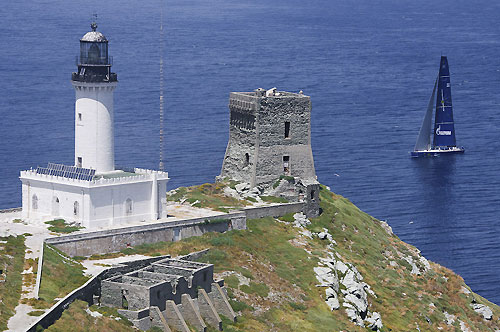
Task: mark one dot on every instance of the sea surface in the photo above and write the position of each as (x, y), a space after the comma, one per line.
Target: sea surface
(368, 65)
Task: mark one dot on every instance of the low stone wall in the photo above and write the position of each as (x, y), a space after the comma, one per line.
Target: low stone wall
(11, 210)
(87, 291)
(273, 210)
(113, 240)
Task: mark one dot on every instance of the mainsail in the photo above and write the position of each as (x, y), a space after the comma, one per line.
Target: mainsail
(424, 136)
(444, 129)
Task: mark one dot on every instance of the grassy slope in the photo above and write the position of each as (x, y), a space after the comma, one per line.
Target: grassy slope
(12, 262)
(60, 276)
(75, 319)
(282, 295)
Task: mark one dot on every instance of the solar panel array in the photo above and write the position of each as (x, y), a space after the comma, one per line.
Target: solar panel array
(70, 172)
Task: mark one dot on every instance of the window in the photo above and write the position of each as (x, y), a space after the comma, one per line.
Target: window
(312, 195)
(79, 162)
(286, 165)
(34, 202)
(79, 116)
(287, 129)
(128, 206)
(75, 209)
(247, 159)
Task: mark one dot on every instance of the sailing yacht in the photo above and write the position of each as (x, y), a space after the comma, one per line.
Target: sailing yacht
(444, 141)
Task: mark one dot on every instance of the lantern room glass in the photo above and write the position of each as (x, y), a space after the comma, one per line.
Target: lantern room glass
(94, 53)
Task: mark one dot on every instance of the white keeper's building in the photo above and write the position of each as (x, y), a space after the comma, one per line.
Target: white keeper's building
(92, 192)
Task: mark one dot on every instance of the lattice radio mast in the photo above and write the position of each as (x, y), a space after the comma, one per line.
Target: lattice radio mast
(161, 166)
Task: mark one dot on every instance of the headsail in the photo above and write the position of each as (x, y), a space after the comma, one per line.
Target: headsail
(444, 129)
(424, 136)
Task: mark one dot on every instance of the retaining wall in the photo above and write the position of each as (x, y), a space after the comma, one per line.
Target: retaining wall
(113, 240)
(273, 210)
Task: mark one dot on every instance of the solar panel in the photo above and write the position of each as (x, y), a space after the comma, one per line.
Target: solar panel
(66, 171)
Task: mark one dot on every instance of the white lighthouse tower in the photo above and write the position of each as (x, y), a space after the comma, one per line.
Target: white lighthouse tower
(94, 85)
(93, 193)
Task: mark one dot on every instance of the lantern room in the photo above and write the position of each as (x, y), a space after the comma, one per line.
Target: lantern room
(94, 63)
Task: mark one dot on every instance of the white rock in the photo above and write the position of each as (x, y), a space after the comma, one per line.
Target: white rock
(483, 310)
(465, 290)
(341, 267)
(414, 268)
(333, 303)
(241, 187)
(464, 327)
(94, 314)
(386, 227)
(449, 318)
(230, 192)
(326, 277)
(332, 299)
(353, 314)
(374, 321)
(358, 300)
(425, 263)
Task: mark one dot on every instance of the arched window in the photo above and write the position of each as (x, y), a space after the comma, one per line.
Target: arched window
(128, 206)
(76, 208)
(34, 202)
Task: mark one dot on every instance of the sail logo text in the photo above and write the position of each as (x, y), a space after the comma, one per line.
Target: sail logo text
(440, 132)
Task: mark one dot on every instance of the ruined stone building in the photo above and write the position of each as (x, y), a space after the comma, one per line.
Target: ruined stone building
(169, 294)
(269, 139)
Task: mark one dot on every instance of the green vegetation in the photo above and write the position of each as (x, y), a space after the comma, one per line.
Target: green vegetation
(290, 179)
(279, 262)
(36, 313)
(256, 288)
(208, 195)
(60, 226)
(60, 275)
(11, 263)
(75, 319)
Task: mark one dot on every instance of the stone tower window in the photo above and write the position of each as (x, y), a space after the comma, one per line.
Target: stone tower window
(79, 116)
(79, 162)
(287, 129)
(247, 159)
(312, 195)
(286, 165)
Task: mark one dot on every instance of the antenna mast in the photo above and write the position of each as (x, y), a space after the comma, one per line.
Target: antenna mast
(161, 166)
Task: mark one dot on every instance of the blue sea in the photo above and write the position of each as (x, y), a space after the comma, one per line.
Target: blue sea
(368, 65)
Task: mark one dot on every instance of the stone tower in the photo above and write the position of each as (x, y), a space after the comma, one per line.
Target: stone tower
(269, 136)
(94, 85)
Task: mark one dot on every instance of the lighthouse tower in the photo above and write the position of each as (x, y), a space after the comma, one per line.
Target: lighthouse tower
(92, 193)
(94, 85)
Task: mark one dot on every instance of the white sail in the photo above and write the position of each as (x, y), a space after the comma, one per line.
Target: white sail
(424, 136)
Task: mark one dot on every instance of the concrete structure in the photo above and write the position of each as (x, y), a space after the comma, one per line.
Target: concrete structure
(169, 294)
(269, 136)
(92, 193)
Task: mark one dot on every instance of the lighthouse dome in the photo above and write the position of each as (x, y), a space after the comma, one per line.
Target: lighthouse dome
(94, 36)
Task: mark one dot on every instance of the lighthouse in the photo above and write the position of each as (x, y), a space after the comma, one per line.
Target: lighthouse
(94, 85)
(91, 192)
